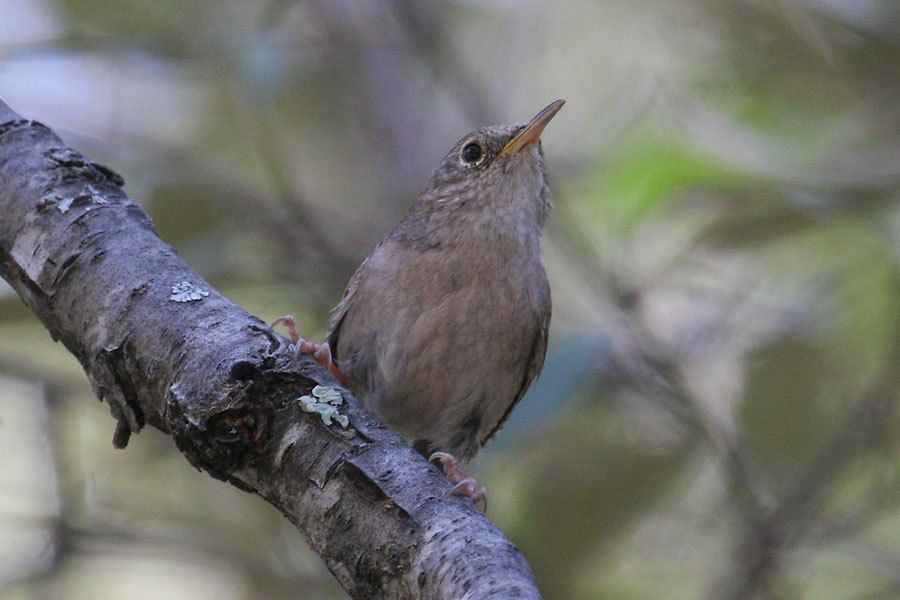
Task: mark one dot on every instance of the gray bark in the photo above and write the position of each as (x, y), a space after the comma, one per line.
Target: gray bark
(164, 348)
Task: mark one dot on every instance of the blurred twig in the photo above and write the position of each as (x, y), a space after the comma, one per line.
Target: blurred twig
(772, 524)
(290, 215)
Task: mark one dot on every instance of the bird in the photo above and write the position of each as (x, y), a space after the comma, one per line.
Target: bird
(443, 328)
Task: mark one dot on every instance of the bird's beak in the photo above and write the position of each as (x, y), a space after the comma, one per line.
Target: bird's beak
(533, 130)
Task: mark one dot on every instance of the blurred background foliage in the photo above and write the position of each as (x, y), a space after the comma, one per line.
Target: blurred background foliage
(718, 412)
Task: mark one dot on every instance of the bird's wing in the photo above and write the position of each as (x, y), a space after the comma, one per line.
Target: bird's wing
(535, 364)
(343, 307)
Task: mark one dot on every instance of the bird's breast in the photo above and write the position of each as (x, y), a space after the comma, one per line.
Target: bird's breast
(452, 336)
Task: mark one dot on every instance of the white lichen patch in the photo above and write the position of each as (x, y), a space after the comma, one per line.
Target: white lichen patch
(187, 292)
(324, 401)
(89, 195)
(65, 204)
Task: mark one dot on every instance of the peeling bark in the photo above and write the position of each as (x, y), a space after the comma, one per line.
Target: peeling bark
(163, 347)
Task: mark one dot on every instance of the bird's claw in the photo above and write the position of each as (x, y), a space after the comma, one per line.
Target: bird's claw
(321, 353)
(462, 484)
(291, 325)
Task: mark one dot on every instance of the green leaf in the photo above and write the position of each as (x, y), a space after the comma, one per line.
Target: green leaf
(645, 176)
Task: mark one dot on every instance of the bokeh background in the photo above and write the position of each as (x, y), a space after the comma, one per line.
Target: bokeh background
(718, 414)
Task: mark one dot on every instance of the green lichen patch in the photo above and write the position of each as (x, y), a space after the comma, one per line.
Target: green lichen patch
(324, 401)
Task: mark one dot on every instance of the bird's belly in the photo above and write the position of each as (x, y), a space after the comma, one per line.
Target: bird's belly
(450, 370)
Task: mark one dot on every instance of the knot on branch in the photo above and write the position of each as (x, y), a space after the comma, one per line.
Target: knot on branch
(228, 433)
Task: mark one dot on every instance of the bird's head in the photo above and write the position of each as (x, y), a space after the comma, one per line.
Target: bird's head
(492, 179)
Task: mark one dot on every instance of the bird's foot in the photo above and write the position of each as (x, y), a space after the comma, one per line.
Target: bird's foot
(320, 352)
(462, 484)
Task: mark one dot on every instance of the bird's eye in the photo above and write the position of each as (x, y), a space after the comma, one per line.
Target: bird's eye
(471, 153)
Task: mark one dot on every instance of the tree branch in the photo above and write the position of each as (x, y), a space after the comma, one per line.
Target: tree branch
(165, 348)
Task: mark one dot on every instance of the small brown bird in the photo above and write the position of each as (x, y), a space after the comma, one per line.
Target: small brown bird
(444, 326)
